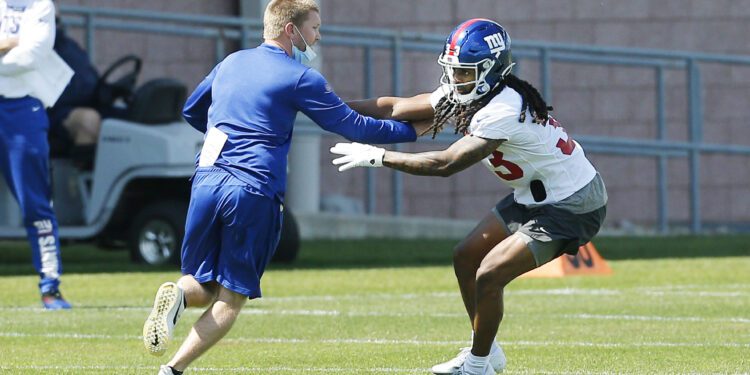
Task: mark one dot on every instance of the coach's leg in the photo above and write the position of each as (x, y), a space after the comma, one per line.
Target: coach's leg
(197, 294)
(210, 327)
(508, 260)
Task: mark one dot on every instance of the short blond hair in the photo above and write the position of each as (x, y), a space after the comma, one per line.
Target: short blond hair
(280, 12)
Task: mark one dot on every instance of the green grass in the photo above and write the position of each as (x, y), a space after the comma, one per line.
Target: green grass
(673, 305)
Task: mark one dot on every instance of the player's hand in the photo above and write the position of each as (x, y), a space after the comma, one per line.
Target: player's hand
(357, 155)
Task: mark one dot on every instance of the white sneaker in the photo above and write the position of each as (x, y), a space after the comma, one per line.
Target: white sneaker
(168, 306)
(488, 370)
(497, 362)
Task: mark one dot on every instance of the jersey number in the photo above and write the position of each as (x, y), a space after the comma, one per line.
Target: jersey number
(514, 171)
(566, 147)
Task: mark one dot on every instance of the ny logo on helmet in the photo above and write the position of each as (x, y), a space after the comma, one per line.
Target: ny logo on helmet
(496, 43)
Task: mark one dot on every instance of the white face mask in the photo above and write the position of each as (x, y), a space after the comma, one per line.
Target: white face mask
(305, 56)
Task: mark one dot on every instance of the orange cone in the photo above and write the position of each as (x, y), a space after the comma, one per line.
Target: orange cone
(586, 262)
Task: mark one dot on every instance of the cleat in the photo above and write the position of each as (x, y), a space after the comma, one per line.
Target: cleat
(166, 370)
(497, 362)
(54, 301)
(168, 306)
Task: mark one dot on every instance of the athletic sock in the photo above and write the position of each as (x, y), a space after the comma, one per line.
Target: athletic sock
(494, 348)
(475, 364)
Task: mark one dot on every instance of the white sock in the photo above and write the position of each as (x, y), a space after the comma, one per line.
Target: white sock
(494, 348)
(475, 365)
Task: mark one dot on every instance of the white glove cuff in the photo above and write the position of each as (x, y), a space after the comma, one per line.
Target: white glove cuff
(376, 158)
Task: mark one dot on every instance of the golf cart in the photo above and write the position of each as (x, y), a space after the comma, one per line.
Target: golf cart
(136, 188)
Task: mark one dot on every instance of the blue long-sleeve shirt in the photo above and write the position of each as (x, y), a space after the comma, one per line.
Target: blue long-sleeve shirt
(254, 95)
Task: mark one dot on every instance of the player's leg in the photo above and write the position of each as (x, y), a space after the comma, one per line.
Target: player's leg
(508, 260)
(467, 257)
(210, 327)
(26, 169)
(545, 234)
(469, 253)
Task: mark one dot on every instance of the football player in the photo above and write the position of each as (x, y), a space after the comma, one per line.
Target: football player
(558, 201)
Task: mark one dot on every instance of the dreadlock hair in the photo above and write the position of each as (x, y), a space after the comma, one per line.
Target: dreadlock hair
(462, 114)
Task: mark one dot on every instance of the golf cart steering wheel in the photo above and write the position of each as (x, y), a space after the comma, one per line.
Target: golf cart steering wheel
(109, 89)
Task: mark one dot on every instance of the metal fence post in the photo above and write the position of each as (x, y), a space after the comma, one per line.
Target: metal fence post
(696, 137)
(662, 192)
(370, 172)
(397, 177)
(90, 42)
(220, 49)
(544, 72)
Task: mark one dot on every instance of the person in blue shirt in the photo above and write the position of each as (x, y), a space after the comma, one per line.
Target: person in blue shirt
(246, 107)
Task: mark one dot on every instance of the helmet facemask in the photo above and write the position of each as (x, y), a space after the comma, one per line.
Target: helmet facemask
(462, 92)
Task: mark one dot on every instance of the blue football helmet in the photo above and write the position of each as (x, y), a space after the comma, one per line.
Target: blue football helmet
(481, 45)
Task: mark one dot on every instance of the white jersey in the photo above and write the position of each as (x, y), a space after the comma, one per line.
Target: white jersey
(31, 68)
(530, 151)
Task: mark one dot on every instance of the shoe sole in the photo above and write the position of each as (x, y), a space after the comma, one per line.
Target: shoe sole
(157, 331)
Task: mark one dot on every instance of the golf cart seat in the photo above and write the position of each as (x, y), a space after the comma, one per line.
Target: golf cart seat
(158, 101)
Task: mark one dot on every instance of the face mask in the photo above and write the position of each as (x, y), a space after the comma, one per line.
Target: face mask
(308, 54)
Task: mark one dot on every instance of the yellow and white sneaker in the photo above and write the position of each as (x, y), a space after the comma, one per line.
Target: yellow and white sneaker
(168, 306)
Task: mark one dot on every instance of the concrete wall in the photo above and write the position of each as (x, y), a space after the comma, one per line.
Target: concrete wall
(590, 100)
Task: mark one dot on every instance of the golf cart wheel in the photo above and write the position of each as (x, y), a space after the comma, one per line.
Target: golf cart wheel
(157, 232)
(288, 247)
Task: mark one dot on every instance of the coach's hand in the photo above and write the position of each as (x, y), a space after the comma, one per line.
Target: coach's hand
(357, 155)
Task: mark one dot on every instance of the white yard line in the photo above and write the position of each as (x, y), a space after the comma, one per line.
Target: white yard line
(244, 370)
(338, 313)
(380, 341)
(325, 370)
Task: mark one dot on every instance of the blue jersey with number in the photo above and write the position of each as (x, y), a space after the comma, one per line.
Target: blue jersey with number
(254, 95)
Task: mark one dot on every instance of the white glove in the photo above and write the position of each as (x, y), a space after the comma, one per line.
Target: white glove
(357, 155)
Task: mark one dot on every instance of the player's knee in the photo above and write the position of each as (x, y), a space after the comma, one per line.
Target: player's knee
(233, 300)
(491, 280)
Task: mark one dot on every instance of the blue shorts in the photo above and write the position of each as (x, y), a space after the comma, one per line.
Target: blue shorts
(231, 232)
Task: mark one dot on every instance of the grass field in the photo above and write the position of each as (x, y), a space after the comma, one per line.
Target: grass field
(673, 305)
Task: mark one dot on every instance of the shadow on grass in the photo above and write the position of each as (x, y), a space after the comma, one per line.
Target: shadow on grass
(15, 258)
